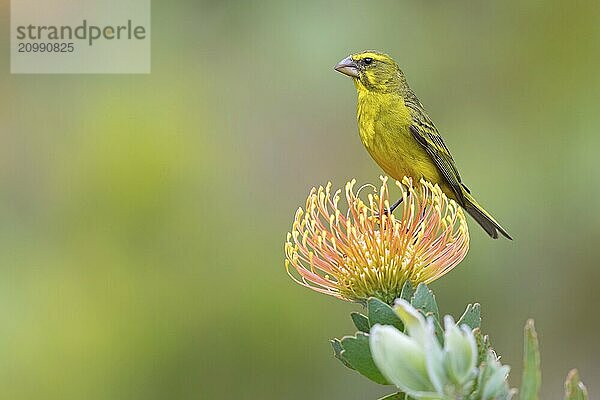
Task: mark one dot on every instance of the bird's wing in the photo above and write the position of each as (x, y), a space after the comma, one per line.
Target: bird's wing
(425, 132)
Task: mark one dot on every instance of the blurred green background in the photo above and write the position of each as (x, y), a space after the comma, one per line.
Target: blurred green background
(143, 217)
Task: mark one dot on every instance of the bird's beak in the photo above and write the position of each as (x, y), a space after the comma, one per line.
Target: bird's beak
(347, 67)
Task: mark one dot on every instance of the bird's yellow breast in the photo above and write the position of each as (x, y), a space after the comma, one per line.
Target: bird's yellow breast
(384, 126)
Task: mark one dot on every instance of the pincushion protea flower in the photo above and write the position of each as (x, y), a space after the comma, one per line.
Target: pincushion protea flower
(364, 251)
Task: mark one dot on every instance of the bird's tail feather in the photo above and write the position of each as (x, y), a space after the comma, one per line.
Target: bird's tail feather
(483, 218)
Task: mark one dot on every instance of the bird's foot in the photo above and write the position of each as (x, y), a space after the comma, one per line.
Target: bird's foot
(392, 207)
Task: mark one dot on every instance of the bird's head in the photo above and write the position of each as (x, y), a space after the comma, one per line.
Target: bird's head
(372, 71)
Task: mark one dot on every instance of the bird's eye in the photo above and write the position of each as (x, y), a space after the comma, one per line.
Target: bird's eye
(368, 61)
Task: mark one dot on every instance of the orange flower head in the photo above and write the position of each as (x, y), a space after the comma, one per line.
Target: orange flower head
(366, 251)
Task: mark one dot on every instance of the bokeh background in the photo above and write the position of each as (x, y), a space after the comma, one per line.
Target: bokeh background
(143, 217)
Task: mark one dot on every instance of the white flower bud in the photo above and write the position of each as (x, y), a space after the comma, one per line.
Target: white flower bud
(435, 360)
(401, 359)
(460, 350)
(492, 381)
(412, 319)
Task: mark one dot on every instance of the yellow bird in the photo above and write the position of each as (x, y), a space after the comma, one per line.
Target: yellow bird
(399, 135)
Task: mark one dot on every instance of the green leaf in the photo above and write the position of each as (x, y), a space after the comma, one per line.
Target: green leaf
(381, 313)
(424, 301)
(574, 388)
(394, 396)
(357, 353)
(337, 351)
(483, 345)
(360, 321)
(471, 317)
(530, 387)
(407, 291)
